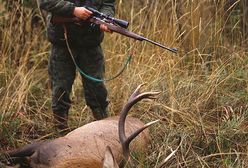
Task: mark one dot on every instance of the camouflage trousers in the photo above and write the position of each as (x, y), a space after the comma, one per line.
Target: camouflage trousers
(62, 73)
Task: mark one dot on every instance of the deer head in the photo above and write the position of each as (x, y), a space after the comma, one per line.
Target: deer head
(109, 161)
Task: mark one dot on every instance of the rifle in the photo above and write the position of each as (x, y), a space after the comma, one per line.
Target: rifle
(113, 24)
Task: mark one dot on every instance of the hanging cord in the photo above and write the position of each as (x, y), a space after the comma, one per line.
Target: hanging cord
(86, 75)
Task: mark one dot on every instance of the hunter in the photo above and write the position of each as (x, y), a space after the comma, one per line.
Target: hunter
(84, 40)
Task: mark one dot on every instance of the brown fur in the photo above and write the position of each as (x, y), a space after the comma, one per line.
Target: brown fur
(85, 146)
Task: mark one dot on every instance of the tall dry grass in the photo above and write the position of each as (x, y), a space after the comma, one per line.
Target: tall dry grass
(203, 98)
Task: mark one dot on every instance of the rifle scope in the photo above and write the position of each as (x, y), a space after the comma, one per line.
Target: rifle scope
(122, 23)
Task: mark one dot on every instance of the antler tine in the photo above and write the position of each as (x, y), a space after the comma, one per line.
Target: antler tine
(147, 95)
(134, 135)
(137, 96)
(136, 92)
(134, 98)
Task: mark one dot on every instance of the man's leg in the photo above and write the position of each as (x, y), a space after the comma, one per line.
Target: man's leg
(96, 99)
(92, 63)
(62, 74)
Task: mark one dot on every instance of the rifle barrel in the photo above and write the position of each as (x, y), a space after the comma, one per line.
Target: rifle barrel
(174, 50)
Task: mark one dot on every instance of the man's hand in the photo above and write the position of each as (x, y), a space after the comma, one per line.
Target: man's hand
(82, 13)
(105, 28)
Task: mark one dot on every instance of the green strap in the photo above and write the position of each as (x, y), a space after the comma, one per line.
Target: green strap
(88, 76)
(104, 80)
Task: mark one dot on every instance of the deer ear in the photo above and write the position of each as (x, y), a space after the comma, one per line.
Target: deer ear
(109, 160)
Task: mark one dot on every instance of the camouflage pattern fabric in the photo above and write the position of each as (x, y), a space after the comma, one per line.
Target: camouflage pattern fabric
(62, 73)
(84, 41)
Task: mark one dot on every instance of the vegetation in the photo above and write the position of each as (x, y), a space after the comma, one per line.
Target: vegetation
(204, 87)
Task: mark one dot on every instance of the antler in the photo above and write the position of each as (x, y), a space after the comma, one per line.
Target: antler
(134, 98)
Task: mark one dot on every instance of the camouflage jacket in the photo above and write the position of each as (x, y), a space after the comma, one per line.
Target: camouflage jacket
(78, 35)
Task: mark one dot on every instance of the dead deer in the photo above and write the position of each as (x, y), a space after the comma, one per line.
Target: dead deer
(98, 144)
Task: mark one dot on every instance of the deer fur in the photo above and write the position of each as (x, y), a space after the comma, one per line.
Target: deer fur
(88, 146)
